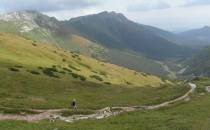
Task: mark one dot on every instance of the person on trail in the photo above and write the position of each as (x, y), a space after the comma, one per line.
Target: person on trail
(73, 104)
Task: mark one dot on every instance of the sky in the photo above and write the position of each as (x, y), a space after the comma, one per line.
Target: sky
(172, 15)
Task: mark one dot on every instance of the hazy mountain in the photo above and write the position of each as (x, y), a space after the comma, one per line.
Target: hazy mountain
(199, 65)
(114, 30)
(199, 37)
(39, 27)
(106, 36)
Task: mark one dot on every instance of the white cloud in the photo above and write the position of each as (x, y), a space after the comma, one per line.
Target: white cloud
(44, 5)
(167, 14)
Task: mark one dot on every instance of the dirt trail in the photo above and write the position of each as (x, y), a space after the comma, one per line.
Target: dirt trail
(53, 115)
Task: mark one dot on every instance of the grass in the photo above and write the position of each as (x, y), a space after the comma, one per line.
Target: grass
(25, 90)
(19, 51)
(21, 90)
(191, 115)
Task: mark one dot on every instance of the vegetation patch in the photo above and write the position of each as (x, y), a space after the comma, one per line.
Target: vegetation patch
(40, 68)
(108, 83)
(34, 72)
(74, 68)
(66, 69)
(64, 60)
(84, 65)
(103, 73)
(82, 78)
(16, 111)
(13, 69)
(96, 77)
(50, 72)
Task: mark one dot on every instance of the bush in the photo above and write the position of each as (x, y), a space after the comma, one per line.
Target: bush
(82, 78)
(108, 83)
(84, 65)
(74, 75)
(64, 60)
(103, 73)
(50, 72)
(66, 69)
(62, 72)
(96, 77)
(128, 83)
(34, 44)
(40, 67)
(72, 67)
(34, 72)
(13, 69)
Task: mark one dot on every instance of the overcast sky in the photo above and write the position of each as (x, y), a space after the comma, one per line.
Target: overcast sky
(173, 15)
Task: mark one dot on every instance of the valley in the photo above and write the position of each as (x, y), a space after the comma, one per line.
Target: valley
(121, 74)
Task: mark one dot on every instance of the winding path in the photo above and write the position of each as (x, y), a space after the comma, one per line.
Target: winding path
(99, 114)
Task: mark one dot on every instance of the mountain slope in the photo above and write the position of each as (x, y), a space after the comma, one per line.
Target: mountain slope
(56, 63)
(199, 65)
(42, 28)
(199, 37)
(116, 31)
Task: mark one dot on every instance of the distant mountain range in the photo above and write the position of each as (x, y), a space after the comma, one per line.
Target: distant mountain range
(107, 36)
(114, 30)
(198, 37)
(199, 65)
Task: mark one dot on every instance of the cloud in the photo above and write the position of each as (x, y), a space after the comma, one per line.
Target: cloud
(45, 5)
(197, 2)
(148, 5)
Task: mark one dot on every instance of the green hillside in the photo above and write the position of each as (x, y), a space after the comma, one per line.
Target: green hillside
(41, 28)
(114, 30)
(199, 65)
(22, 52)
(36, 75)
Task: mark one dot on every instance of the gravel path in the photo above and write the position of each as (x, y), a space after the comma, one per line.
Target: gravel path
(53, 115)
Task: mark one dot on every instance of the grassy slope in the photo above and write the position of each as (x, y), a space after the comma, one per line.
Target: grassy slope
(133, 60)
(16, 50)
(192, 115)
(86, 47)
(23, 89)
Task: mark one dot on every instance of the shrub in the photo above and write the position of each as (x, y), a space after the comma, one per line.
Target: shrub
(96, 77)
(64, 60)
(128, 83)
(66, 69)
(40, 67)
(82, 78)
(34, 44)
(62, 72)
(108, 83)
(50, 72)
(34, 72)
(102, 73)
(13, 69)
(72, 67)
(74, 75)
(84, 65)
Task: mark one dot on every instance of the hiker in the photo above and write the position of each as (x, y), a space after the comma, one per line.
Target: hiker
(73, 104)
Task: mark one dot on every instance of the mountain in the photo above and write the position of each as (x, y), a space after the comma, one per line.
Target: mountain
(42, 28)
(114, 30)
(28, 57)
(199, 37)
(107, 36)
(199, 65)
